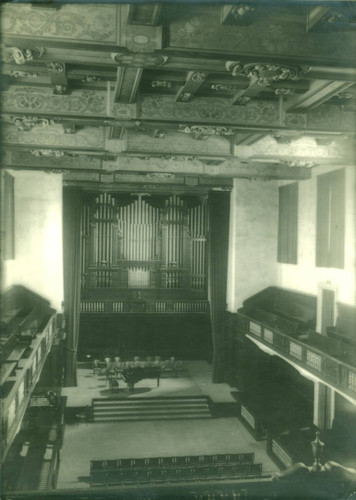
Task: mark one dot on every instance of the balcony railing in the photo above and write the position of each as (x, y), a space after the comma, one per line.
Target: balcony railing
(149, 306)
(334, 371)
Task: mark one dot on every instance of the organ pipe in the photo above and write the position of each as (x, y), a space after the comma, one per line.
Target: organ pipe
(139, 232)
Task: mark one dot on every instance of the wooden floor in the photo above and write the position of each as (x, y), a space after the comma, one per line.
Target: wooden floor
(99, 441)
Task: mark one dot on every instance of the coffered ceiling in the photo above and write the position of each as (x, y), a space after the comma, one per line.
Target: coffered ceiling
(179, 96)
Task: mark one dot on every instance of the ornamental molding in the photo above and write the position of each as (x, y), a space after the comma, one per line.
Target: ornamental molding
(240, 10)
(203, 132)
(284, 91)
(161, 84)
(23, 74)
(301, 163)
(21, 55)
(264, 74)
(138, 60)
(199, 77)
(52, 153)
(26, 123)
(55, 67)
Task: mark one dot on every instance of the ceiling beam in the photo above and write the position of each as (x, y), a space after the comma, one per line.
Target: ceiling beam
(58, 77)
(127, 84)
(243, 96)
(319, 92)
(152, 166)
(195, 80)
(144, 14)
(239, 14)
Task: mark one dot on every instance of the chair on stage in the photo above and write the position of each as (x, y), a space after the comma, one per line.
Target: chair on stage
(99, 367)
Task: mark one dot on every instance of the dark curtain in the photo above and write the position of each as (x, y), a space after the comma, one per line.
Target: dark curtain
(219, 212)
(72, 208)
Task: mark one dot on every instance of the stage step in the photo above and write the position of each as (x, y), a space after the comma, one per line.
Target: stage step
(134, 409)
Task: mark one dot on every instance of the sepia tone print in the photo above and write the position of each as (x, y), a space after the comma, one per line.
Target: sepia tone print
(178, 301)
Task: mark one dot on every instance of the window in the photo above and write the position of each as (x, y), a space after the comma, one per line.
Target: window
(8, 214)
(288, 224)
(330, 219)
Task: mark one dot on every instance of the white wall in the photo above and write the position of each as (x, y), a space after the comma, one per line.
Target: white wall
(252, 262)
(38, 236)
(305, 276)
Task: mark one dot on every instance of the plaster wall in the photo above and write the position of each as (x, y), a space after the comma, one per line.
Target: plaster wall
(305, 276)
(252, 262)
(38, 236)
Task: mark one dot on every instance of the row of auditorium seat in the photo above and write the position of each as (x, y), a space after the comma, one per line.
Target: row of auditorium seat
(171, 474)
(130, 463)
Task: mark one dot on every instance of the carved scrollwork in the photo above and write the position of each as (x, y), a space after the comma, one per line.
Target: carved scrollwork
(185, 96)
(26, 123)
(222, 87)
(52, 153)
(91, 79)
(284, 91)
(161, 84)
(301, 163)
(203, 132)
(199, 76)
(55, 67)
(240, 10)
(23, 74)
(56, 171)
(263, 74)
(22, 56)
(60, 89)
(126, 58)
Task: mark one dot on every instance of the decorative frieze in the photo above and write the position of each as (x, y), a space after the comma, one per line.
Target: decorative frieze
(20, 99)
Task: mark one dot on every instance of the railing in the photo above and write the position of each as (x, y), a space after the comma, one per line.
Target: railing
(150, 306)
(333, 371)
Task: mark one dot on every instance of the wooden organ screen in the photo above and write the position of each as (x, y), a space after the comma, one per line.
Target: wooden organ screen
(141, 242)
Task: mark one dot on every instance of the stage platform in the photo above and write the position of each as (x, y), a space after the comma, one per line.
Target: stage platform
(194, 381)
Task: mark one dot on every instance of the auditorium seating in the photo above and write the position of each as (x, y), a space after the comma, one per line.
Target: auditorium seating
(173, 469)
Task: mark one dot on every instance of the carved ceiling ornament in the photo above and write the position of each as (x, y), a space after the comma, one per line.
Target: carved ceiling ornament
(240, 10)
(219, 87)
(53, 153)
(161, 84)
(301, 163)
(202, 132)
(55, 67)
(199, 76)
(22, 56)
(91, 78)
(23, 74)
(26, 123)
(264, 74)
(284, 91)
(138, 60)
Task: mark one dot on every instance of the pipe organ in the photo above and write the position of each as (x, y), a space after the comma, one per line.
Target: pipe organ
(144, 242)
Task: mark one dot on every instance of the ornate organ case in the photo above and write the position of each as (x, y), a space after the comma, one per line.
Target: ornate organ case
(144, 243)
